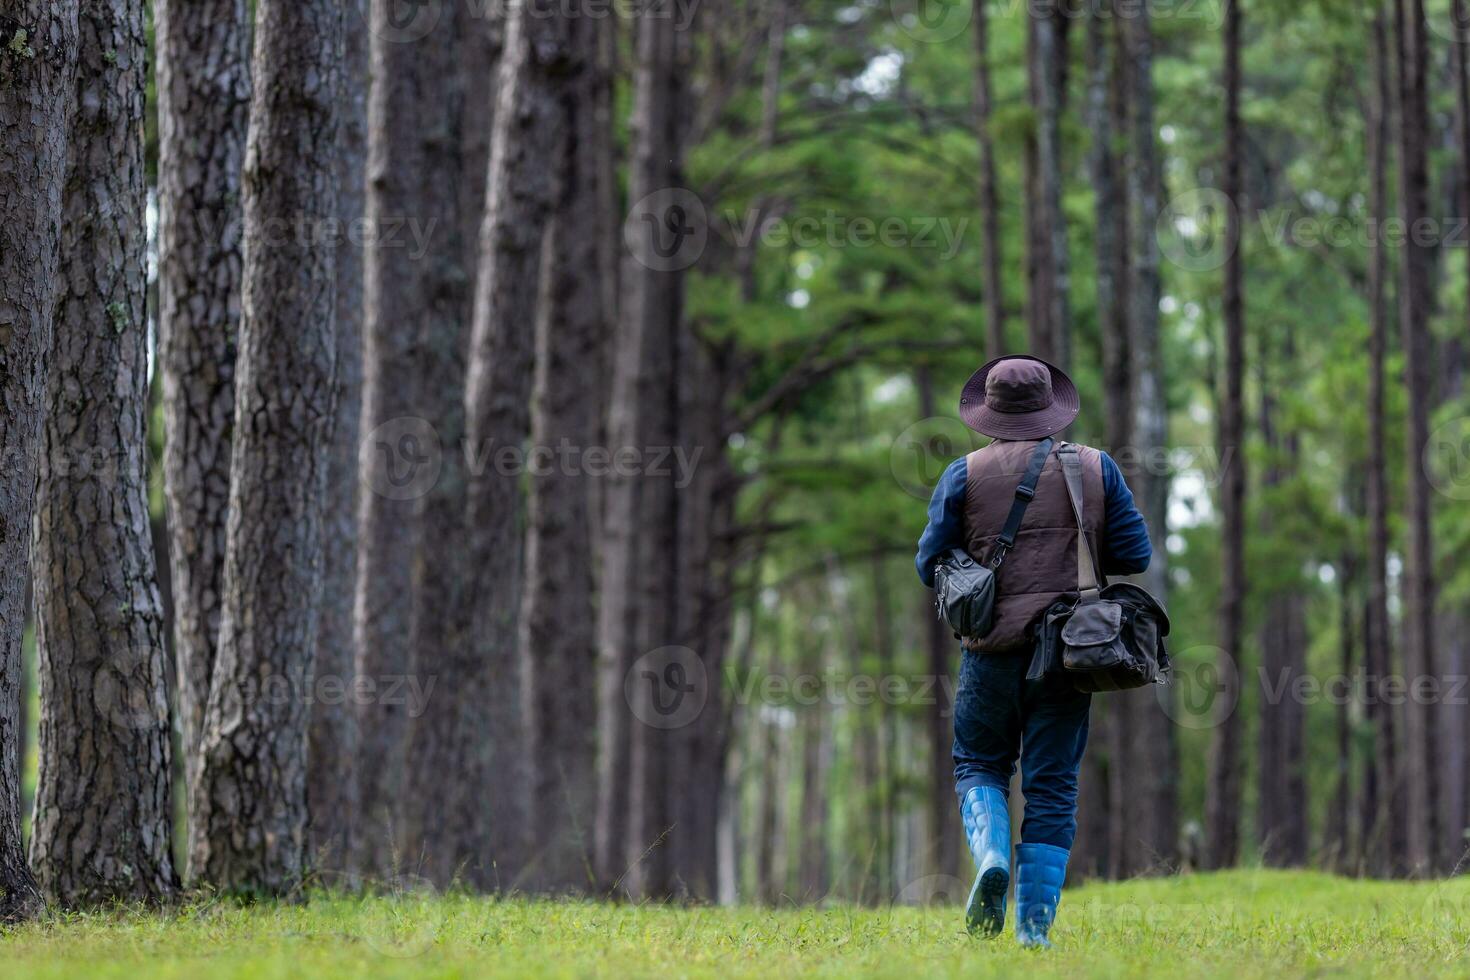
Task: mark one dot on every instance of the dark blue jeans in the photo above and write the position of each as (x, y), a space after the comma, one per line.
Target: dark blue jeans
(999, 716)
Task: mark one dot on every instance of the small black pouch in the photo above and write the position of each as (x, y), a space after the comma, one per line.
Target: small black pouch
(964, 593)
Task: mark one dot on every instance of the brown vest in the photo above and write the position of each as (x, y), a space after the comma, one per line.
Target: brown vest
(1043, 564)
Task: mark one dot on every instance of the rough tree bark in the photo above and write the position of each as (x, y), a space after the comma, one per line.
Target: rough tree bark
(38, 62)
(558, 652)
(333, 773)
(995, 312)
(248, 835)
(442, 823)
(1415, 300)
(1222, 784)
(537, 71)
(203, 100)
(1152, 762)
(104, 816)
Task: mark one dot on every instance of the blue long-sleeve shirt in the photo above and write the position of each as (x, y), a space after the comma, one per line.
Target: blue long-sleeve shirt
(1126, 549)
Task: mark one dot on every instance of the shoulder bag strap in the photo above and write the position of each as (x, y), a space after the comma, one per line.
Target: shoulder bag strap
(1086, 570)
(1024, 494)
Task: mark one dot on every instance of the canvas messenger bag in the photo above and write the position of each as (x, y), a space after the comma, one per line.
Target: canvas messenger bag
(1112, 637)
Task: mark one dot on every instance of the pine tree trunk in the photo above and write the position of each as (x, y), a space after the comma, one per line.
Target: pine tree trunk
(1281, 799)
(558, 659)
(249, 830)
(536, 73)
(1222, 786)
(995, 325)
(640, 616)
(1103, 838)
(940, 648)
(37, 80)
(1050, 98)
(333, 773)
(1384, 822)
(203, 100)
(1151, 765)
(442, 822)
(400, 450)
(1415, 299)
(104, 814)
(1338, 838)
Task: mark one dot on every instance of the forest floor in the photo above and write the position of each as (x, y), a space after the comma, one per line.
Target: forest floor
(1238, 924)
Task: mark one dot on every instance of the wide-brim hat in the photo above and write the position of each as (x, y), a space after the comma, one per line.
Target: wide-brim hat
(1019, 397)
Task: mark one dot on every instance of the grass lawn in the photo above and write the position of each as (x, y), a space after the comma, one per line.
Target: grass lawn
(1240, 924)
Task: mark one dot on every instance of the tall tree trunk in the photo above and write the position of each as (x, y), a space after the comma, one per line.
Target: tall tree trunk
(558, 659)
(1281, 799)
(442, 821)
(1103, 839)
(203, 102)
(333, 773)
(1222, 786)
(537, 75)
(940, 648)
(1051, 55)
(104, 827)
(400, 452)
(1151, 766)
(995, 325)
(1385, 822)
(37, 79)
(638, 615)
(38, 52)
(1338, 838)
(1050, 310)
(1415, 300)
(249, 829)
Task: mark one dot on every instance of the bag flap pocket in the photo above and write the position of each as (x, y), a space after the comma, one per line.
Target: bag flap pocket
(1093, 623)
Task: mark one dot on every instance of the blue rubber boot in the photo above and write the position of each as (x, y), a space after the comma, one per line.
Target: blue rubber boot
(1040, 871)
(987, 821)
